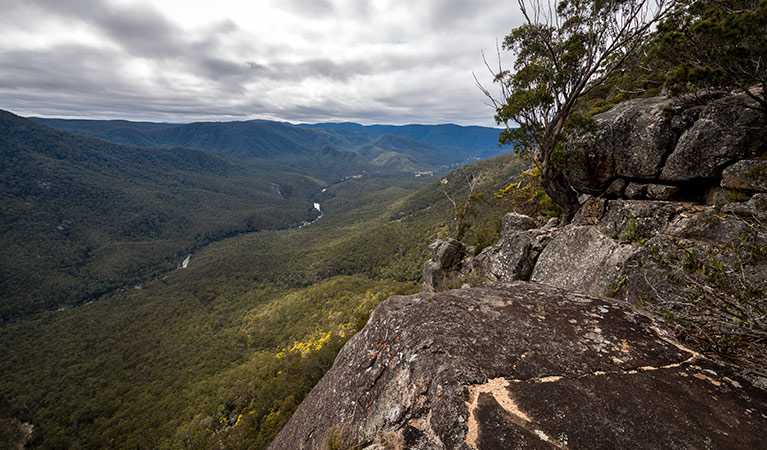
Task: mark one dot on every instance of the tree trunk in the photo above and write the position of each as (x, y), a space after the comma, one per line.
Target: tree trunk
(557, 186)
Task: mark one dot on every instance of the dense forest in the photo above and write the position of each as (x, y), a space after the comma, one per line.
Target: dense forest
(221, 352)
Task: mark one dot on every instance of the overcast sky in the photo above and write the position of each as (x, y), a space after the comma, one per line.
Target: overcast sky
(370, 61)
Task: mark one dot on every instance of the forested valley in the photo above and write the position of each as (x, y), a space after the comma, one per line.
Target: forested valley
(109, 342)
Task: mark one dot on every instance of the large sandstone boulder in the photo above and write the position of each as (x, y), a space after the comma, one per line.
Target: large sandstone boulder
(632, 140)
(747, 174)
(612, 216)
(447, 258)
(513, 222)
(723, 134)
(756, 206)
(654, 149)
(516, 252)
(514, 256)
(583, 259)
(522, 366)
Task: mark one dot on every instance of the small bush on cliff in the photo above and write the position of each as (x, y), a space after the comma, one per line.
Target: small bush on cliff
(527, 196)
(715, 299)
(633, 231)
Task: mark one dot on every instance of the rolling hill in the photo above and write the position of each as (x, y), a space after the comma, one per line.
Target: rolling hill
(82, 216)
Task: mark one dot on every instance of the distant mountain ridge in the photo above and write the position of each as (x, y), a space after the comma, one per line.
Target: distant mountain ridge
(475, 139)
(403, 148)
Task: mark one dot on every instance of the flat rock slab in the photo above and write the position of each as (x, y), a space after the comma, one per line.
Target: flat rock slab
(523, 365)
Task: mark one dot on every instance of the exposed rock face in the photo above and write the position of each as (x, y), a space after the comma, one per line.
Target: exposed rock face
(719, 137)
(612, 216)
(632, 141)
(695, 264)
(523, 366)
(448, 256)
(653, 149)
(747, 174)
(756, 206)
(514, 257)
(582, 259)
(513, 222)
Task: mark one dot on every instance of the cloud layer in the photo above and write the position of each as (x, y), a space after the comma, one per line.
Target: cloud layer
(371, 61)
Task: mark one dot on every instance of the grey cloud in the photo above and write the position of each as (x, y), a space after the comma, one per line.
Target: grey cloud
(446, 13)
(320, 68)
(144, 32)
(85, 81)
(309, 8)
(140, 29)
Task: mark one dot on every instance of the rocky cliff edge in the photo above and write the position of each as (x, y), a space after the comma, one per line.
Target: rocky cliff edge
(523, 365)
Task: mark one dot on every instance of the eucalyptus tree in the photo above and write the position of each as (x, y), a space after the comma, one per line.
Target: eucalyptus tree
(562, 51)
(718, 45)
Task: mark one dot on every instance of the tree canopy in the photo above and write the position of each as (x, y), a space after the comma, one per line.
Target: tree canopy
(717, 45)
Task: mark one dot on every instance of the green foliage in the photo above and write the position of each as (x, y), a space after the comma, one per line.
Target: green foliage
(633, 231)
(619, 285)
(203, 345)
(526, 196)
(82, 217)
(563, 51)
(559, 57)
(717, 44)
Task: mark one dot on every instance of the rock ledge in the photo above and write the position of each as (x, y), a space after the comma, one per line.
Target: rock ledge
(523, 365)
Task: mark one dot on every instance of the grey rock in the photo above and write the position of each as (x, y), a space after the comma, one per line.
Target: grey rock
(433, 276)
(524, 366)
(582, 259)
(747, 174)
(710, 228)
(650, 142)
(742, 209)
(631, 141)
(755, 207)
(450, 260)
(661, 191)
(516, 222)
(591, 211)
(448, 257)
(616, 188)
(447, 253)
(717, 196)
(653, 216)
(514, 256)
(636, 191)
(551, 224)
(724, 133)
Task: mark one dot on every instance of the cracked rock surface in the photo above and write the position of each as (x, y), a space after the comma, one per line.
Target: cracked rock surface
(653, 148)
(523, 365)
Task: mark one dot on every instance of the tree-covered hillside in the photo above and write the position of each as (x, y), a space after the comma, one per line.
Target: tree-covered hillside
(479, 142)
(219, 354)
(82, 216)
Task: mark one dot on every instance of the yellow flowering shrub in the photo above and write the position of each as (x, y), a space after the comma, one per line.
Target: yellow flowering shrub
(526, 196)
